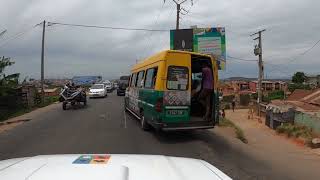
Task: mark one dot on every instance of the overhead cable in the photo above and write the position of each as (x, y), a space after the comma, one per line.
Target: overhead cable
(105, 27)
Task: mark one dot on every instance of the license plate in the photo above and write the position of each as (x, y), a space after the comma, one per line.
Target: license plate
(175, 112)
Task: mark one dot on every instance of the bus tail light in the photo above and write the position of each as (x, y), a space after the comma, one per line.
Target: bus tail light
(158, 105)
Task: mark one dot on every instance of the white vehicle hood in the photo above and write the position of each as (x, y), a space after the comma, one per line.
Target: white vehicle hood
(108, 167)
(96, 90)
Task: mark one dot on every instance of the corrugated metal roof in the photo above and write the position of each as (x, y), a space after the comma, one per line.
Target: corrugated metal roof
(298, 94)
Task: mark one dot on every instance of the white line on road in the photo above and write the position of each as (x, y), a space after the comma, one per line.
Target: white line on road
(125, 119)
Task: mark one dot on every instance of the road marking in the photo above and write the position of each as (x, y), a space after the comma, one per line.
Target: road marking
(102, 116)
(125, 119)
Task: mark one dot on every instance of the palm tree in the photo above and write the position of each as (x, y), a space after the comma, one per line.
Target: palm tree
(7, 82)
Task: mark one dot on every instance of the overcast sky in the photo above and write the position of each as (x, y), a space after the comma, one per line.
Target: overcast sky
(292, 28)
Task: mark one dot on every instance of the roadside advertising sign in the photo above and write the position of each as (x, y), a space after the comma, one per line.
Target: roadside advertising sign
(210, 41)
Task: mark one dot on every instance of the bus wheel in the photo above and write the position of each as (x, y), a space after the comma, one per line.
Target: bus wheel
(143, 123)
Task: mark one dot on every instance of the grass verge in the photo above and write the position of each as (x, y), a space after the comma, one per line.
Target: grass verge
(20, 111)
(239, 133)
(296, 131)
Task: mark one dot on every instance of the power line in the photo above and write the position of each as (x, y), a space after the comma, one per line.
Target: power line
(241, 59)
(304, 53)
(106, 27)
(276, 68)
(18, 35)
(162, 40)
(3, 32)
(286, 69)
(155, 23)
(188, 11)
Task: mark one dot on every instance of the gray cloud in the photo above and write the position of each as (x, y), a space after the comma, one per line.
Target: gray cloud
(291, 25)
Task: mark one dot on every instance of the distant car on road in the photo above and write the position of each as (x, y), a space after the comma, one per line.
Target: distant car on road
(108, 85)
(98, 90)
(123, 84)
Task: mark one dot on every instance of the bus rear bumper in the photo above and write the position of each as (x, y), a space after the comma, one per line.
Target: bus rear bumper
(185, 126)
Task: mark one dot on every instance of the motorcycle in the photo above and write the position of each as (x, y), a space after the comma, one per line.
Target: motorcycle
(72, 96)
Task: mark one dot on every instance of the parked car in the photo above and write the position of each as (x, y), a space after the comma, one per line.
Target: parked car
(108, 85)
(98, 90)
(123, 84)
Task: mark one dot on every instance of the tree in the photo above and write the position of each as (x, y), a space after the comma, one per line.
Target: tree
(294, 86)
(7, 81)
(299, 77)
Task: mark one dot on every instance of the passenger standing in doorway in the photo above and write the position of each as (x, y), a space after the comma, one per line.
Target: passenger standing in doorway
(207, 88)
(233, 104)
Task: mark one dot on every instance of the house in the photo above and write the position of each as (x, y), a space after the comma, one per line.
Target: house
(313, 80)
(306, 105)
(268, 86)
(51, 92)
(235, 87)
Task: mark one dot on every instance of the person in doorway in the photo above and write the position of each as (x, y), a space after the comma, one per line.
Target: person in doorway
(195, 88)
(223, 113)
(233, 104)
(207, 88)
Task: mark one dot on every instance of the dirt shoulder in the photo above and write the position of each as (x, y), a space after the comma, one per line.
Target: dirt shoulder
(278, 151)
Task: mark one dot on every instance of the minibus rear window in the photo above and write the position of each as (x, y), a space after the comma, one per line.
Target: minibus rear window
(178, 77)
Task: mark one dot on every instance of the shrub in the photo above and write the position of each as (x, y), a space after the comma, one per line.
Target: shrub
(294, 131)
(293, 87)
(276, 95)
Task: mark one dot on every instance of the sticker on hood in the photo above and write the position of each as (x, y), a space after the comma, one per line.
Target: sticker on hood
(92, 159)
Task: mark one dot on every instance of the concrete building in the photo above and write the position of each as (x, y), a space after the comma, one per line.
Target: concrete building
(313, 81)
(50, 92)
(306, 105)
(235, 87)
(269, 86)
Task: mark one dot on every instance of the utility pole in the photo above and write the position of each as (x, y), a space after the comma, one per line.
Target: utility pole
(178, 16)
(42, 60)
(178, 11)
(258, 52)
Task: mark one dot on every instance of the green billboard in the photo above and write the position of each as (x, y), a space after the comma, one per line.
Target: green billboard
(210, 41)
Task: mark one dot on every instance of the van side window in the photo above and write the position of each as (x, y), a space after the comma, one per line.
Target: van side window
(178, 78)
(139, 82)
(150, 80)
(133, 80)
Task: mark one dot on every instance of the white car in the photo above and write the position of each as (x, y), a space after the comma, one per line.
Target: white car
(98, 90)
(108, 166)
(108, 85)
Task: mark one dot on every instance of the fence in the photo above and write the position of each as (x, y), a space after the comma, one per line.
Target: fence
(16, 100)
(9, 104)
(308, 120)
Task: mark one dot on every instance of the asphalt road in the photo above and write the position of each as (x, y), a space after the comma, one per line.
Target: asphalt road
(104, 127)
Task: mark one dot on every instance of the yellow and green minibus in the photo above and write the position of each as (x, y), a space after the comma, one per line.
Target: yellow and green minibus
(164, 88)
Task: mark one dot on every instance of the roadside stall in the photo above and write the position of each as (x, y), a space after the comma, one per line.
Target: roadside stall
(278, 114)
